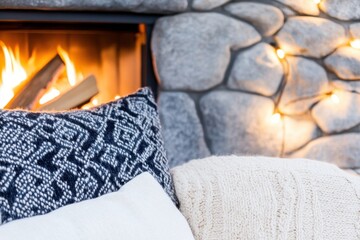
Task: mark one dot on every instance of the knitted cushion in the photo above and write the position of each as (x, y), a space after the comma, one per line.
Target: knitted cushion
(48, 160)
(265, 198)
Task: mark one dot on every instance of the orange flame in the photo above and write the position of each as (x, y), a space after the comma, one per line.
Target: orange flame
(70, 67)
(49, 95)
(12, 75)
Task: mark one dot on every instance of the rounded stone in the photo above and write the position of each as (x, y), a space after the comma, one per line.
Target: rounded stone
(338, 115)
(342, 9)
(188, 52)
(266, 18)
(345, 63)
(182, 130)
(298, 132)
(258, 70)
(208, 4)
(342, 150)
(305, 84)
(310, 36)
(350, 86)
(305, 7)
(355, 30)
(240, 123)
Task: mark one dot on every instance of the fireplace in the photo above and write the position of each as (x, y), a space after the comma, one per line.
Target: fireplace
(93, 57)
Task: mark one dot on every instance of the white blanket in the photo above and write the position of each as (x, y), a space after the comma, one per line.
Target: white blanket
(267, 198)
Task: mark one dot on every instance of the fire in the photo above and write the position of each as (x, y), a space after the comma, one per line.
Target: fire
(49, 95)
(72, 77)
(12, 75)
(70, 67)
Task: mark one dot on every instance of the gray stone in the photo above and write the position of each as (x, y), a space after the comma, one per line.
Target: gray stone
(345, 63)
(355, 30)
(298, 132)
(181, 127)
(287, 11)
(342, 150)
(257, 70)
(350, 86)
(208, 4)
(306, 82)
(342, 9)
(266, 18)
(305, 7)
(192, 50)
(340, 115)
(310, 36)
(240, 123)
(151, 6)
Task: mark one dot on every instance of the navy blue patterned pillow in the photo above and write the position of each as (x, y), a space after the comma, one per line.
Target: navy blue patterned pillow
(48, 160)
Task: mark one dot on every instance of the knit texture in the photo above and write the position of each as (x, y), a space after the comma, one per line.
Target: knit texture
(268, 198)
(49, 160)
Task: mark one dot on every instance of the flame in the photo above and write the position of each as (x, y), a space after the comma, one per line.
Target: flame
(12, 75)
(50, 95)
(70, 67)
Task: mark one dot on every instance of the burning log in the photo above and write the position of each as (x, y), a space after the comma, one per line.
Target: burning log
(76, 96)
(28, 93)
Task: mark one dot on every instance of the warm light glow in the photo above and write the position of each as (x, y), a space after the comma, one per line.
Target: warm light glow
(275, 118)
(117, 97)
(317, 1)
(335, 98)
(95, 102)
(70, 67)
(355, 43)
(50, 95)
(12, 75)
(280, 53)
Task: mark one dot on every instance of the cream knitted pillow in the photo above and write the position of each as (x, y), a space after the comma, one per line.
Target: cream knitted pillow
(268, 198)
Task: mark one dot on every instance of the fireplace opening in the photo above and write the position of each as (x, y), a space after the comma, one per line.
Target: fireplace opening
(67, 60)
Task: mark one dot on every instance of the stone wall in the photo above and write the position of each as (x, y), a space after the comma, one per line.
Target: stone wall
(227, 89)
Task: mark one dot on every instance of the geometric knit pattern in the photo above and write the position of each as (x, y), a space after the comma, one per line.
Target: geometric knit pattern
(49, 160)
(268, 198)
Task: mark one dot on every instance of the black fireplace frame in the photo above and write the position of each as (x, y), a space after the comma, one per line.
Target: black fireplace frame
(88, 20)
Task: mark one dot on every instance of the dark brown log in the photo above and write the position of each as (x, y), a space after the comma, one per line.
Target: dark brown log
(27, 94)
(77, 95)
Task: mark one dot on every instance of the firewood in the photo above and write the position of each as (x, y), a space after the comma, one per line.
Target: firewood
(76, 96)
(28, 93)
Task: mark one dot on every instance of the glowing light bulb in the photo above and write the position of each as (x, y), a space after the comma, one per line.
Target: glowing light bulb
(335, 98)
(317, 1)
(280, 53)
(275, 118)
(355, 43)
(117, 97)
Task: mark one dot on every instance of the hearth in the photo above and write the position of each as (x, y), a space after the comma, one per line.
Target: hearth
(59, 60)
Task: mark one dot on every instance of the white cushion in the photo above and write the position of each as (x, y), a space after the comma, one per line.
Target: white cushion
(140, 210)
(268, 198)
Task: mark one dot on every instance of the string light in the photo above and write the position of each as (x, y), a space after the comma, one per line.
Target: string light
(275, 118)
(117, 97)
(317, 1)
(335, 98)
(355, 43)
(280, 53)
